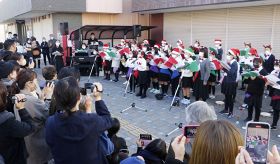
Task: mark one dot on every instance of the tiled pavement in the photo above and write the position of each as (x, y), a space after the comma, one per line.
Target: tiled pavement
(158, 120)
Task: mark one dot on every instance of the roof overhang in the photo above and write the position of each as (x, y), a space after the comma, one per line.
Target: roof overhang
(104, 32)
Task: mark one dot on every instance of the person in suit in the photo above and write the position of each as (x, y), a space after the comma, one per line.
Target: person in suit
(229, 82)
(269, 59)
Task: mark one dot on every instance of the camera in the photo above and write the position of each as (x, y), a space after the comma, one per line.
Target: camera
(48, 82)
(88, 89)
(14, 100)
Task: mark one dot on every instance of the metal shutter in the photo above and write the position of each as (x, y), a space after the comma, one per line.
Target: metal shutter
(276, 32)
(177, 26)
(208, 25)
(250, 24)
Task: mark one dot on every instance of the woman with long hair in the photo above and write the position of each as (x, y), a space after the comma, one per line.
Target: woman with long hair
(216, 142)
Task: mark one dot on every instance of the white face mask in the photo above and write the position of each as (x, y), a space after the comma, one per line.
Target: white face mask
(217, 46)
(229, 58)
(267, 52)
(195, 45)
(276, 68)
(122, 43)
(57, 44)
(44, 40)
(174, 56)
(83, 47)
(178, 44)
(144, 49)
(51, 38)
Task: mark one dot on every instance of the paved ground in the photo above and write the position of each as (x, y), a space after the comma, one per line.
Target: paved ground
(158, 120)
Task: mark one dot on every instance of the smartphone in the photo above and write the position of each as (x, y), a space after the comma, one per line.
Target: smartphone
(146, 139)
(190, 131)
(89, 88)
(30, 60)
(257, 141)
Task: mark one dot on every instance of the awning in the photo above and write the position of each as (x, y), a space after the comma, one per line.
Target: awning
(103, 32)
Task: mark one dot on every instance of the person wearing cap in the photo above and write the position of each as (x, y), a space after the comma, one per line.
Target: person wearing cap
(229, 83)
(107, 62)
(269, 59)
(254, 95)
(201, 78)
(154, 70)
(143, 79)
(215, 67)
(187, 76)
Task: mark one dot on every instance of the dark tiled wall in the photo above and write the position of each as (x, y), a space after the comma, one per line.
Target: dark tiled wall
(142, 5)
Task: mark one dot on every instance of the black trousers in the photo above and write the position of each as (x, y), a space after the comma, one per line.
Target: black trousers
(257, 113)
(52, 60)
(174, 85)
(229, 102)
(276, 114)
(45, 56)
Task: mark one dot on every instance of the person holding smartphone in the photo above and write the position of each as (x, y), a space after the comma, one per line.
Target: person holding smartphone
(75, 132)
(12, 131)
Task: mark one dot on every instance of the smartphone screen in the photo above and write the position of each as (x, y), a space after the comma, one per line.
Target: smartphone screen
(257, 141)
(88, 88)
(146, 139)
(190, 131)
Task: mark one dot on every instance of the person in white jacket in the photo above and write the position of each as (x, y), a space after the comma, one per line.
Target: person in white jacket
(116, 65)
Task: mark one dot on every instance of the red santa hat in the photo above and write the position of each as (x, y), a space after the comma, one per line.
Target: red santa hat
(176, 51)
(253, 52)
(105, 46)
(218, 41)
(234, 52)
(157, 46)
(163, 42)
(180, 42)
(146, 42)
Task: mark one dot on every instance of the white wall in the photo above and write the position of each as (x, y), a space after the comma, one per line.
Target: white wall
(42, 28)
(2, 33)
(104, 6)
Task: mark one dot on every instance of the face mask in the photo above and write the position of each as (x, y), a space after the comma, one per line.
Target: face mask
(94, 52)
(195, 45)
(83, 47)
(178, 44)
(229, 58)
(51, 38)
(44, 40)
(57, 44)
(144, 49)
(122, 43)
(162, 45)
(174, 56)
(217, 46)
(276, 68)
(267, 52)
(29, 41)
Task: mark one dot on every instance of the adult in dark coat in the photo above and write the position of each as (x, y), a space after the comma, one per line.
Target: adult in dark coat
(57, 52)
(12, 131)
(229, 82)
(73, 136)
(45, 51)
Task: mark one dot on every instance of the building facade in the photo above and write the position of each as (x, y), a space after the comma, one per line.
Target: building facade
(233, 21)
(40, 18)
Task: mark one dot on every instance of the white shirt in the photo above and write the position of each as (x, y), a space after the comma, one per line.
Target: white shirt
(141, 64)
(130, 63)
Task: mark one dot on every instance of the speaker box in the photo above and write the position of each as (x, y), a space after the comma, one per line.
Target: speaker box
(63, 27)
